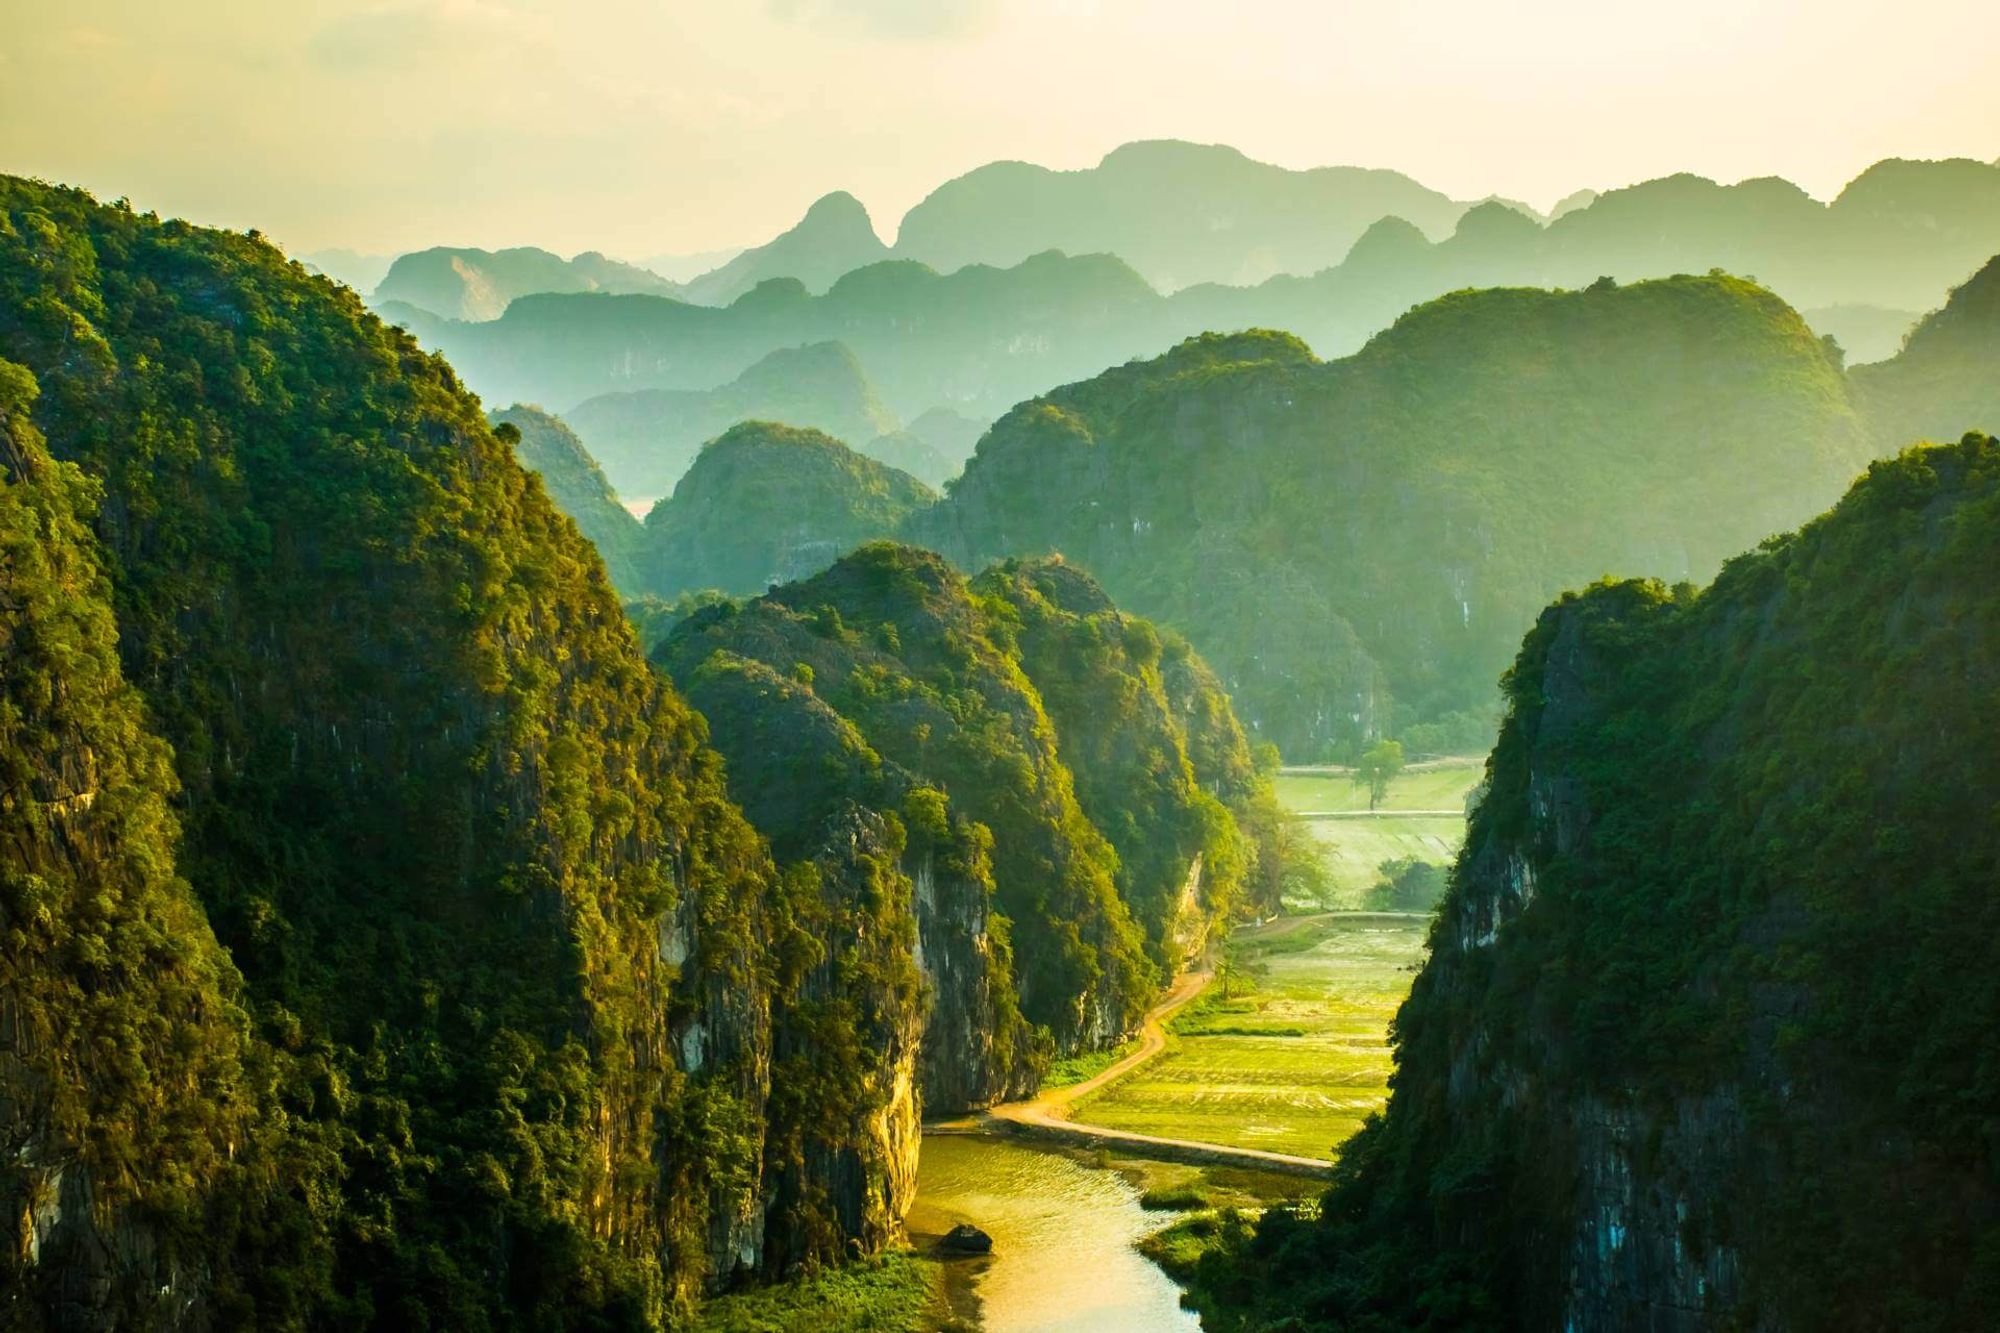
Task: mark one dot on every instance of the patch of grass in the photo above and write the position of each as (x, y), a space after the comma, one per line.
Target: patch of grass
(1178, 1249)
(894, 1293)
(1173, 1199)
(1296, 1059)
(1073, 1069)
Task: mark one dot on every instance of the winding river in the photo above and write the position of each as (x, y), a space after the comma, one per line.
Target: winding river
(1063, 1259)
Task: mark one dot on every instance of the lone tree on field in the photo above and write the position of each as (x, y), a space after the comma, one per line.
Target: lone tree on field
(1380, 763)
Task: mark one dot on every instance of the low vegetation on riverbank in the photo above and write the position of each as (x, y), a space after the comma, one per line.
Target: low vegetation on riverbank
(893, 1293)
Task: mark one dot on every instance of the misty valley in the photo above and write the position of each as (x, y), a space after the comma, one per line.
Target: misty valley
(1180, 743)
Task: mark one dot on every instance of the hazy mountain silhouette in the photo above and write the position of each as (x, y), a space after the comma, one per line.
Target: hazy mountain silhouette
(1179, 213)
(479, 284)
(834, 237)
(646, 440)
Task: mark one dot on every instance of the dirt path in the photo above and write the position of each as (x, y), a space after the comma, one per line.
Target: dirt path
(1047, 1114)
(1055, 1103)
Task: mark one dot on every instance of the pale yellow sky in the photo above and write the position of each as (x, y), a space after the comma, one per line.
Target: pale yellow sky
(639, 127)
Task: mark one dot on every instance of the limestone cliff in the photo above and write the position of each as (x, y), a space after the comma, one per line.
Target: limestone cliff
(1705, 1034)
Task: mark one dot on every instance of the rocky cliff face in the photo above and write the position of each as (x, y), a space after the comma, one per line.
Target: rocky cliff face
(1702, 1037)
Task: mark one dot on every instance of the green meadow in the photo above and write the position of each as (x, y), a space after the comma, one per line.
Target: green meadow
(1294, 1056)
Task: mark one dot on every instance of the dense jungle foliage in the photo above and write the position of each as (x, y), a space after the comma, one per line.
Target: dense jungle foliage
(1065, 730)
(1356, 545)
(767, 504)
(515, 975)
(1706, 1037)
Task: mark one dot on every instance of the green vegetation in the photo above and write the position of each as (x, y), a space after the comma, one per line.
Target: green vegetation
(573, 480)
(647, 440)
(120, 1002)
(516, 1040)
(1443, 784)
(1069, 1070)
(766, 504)
(893, 1293)
(1356, 545)
(1047, 723)
(1942, 383)
(1177, 1199)
(1708, 1004)
(1407, 885)
(1297, 1055)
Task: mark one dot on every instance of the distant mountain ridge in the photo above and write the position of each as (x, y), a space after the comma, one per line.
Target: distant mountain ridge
(646, 440)
(979, 339)
(1180, 213)
(479, 284)
(833, 238)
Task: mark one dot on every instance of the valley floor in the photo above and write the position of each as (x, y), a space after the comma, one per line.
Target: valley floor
(1423, 817)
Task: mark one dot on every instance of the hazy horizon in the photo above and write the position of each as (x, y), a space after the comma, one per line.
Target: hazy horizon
(614, 126)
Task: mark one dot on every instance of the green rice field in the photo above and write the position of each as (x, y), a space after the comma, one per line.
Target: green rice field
(1295, 1057)
(1356, 843)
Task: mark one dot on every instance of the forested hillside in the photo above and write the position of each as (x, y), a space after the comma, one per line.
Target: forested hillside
(1946, 379)
(1706, 1034)
(767, 504)
(515, 1041)
(139, 1111)
(551, 450)
(1044, 724)
(1355, 545)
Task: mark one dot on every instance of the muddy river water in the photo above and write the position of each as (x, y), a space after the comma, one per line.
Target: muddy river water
(1063, 1259)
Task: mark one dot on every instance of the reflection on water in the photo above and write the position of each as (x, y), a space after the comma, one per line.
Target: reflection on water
(1062, 1233)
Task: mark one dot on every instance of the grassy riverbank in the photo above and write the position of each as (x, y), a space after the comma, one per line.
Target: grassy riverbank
(1294, 1057)
(895, 1293)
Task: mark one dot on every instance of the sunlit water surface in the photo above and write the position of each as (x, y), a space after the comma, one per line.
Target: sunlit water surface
(1063, 1258)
